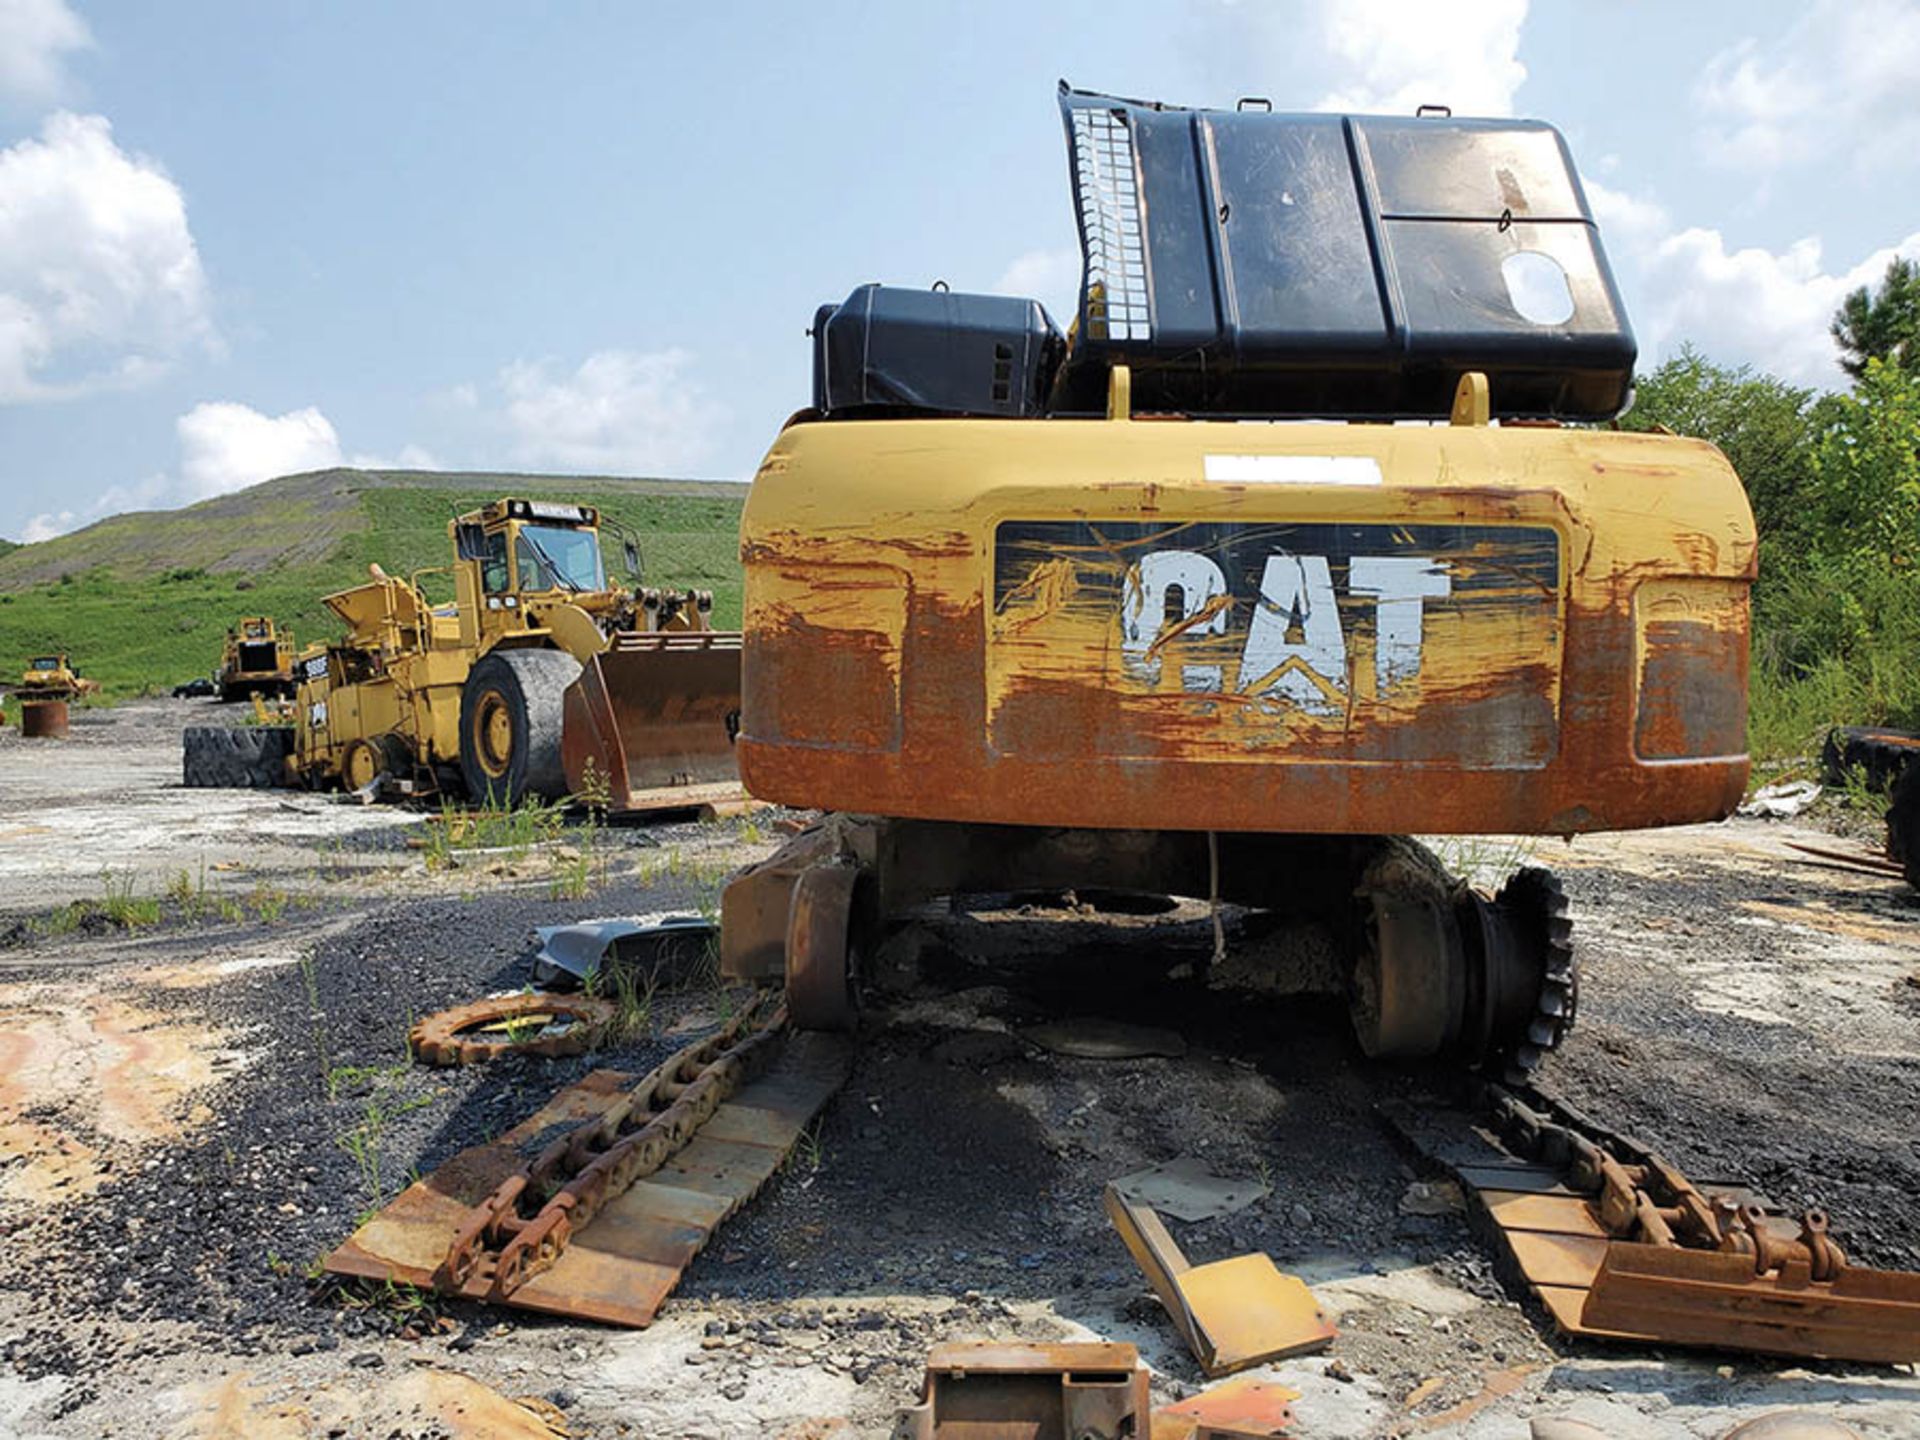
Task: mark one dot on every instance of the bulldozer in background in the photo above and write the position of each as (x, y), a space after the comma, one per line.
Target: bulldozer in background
(538, 680)
(52, 677)
(257, 660)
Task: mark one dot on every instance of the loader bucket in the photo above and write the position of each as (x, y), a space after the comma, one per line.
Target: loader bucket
(1701, 1297)
(650, 722)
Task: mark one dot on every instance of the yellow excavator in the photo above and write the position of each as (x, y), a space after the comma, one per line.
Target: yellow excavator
(540, 679)
(1309, 532)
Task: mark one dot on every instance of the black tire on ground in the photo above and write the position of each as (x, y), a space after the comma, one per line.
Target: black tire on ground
(1903, 824)
(1882, 755)
(510, 725)
(244, 757)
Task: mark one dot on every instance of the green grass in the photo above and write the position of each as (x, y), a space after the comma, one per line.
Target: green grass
(142, 602)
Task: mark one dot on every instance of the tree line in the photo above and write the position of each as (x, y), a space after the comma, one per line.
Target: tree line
(1834, 480)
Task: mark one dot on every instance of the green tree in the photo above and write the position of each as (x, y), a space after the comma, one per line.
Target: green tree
(1763, 425)
(1866, 468)
(1842, 623)
(1882, 324)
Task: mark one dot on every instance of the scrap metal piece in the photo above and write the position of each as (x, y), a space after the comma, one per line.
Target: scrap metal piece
(990, 1391)
(1244, 1408)
(1232, 1313)
(619, 1267)
(1618, 1244)
(1851, 859)
(1700, 1297)
(661, 944)
(1187, 1190)
(43, 719)
(522, 1024)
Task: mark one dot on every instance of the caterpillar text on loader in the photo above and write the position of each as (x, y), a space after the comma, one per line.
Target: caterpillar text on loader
(257, 659)
(540, 679)
(1119, 609)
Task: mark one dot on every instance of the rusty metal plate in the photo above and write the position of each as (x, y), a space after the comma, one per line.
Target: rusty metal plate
(1243, 1408)
(1695, 1297)
(1251, 1312)
(1232, 1313)
(622, 1266)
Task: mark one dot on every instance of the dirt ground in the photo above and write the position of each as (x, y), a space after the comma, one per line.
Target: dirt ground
(197, 1105)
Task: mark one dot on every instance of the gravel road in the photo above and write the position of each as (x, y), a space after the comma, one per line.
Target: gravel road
(193, 1110)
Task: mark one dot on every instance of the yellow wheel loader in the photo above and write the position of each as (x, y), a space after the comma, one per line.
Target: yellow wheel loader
(257, 660)
(538, 679)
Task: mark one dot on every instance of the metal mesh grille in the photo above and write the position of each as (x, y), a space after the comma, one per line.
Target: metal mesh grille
(1115, 302)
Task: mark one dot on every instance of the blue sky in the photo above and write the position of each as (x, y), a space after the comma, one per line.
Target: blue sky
(244, 238)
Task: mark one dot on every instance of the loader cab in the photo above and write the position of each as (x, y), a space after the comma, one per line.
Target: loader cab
(513, 550)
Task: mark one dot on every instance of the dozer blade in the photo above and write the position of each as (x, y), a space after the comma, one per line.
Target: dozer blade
(1700, 1297)
(649, 724)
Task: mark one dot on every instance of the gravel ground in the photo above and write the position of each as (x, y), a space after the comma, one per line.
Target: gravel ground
(190, 1112)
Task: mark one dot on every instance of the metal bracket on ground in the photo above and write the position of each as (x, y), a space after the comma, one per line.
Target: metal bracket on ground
(1232, 1313)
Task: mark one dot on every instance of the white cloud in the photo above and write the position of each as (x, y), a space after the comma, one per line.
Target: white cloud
(227, 446)
(1050, 276)
(1839, 82)
(1755, 306)
(411, 457)
(620, 412)
(1390, 56)
(35, 37)
(100, 281)
(153, 491)
(47, 524)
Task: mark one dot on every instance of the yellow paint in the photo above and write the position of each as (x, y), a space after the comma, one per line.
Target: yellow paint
(847, 519)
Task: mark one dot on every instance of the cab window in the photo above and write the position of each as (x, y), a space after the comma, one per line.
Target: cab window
(493, 563)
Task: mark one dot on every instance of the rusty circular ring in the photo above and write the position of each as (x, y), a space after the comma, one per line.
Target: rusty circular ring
(442, 1039)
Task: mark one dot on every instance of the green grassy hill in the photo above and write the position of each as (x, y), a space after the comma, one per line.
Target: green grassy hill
(142, 601)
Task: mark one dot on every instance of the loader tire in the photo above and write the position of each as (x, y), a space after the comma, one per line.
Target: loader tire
(1903, 824)
(244, 757)
(510, 724)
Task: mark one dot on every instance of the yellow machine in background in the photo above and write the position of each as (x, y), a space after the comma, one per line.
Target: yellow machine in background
(52, 677)
(258, 659)
(538, 679)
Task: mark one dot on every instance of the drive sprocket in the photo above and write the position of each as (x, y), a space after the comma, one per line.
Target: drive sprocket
(1539, 923)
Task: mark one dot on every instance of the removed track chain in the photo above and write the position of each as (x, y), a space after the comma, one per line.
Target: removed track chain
(523, 1226)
